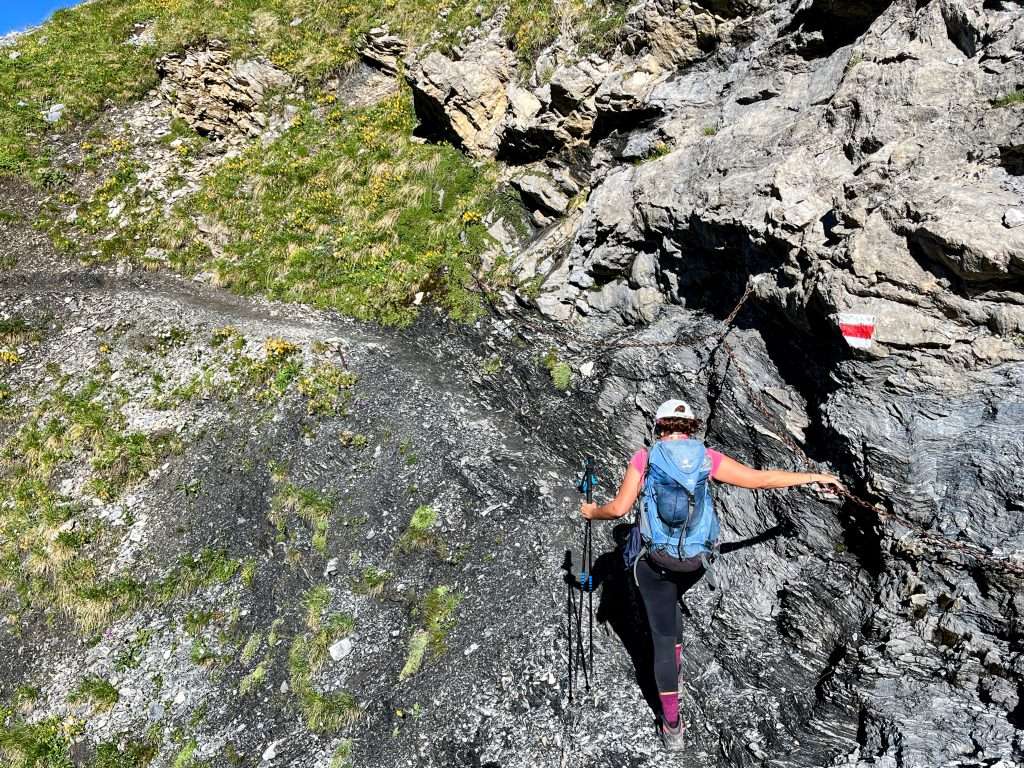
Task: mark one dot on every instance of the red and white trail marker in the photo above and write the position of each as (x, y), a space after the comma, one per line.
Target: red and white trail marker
(858, 330)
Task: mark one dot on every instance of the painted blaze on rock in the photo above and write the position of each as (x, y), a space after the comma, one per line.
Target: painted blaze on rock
(857, 329)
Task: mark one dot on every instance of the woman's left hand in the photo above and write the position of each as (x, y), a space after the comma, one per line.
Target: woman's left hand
(588, 509)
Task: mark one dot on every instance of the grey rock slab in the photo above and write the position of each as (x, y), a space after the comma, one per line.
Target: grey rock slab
(542, 192)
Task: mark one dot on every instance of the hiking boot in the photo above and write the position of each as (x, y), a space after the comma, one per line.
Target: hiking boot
(673, 739)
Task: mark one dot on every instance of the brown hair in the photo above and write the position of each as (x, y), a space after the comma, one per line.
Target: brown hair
(676, 424)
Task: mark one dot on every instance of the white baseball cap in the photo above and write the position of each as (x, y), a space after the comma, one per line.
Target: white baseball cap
(678, 409)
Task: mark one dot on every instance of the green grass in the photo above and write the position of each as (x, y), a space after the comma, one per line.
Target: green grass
(372, 582)
(327, 389)
(419, 533)
(195, 571)
(345, 211)
(1014, 97)
(80, 58)
(15, 331)
(310, 505)
(342, 755)
(414, 656)
(38, 745)
(98, 692)
(43, 563)
(125, 752)
(660, 149)
(323, 712)
(438, 618)
(560, 372)
(185, 756)
(531, 26)
(252, 645)
(254, 679)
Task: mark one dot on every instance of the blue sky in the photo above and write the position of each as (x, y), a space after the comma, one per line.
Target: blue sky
(18, 14)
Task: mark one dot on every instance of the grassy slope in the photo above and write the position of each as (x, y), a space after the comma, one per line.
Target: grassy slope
(346, 212)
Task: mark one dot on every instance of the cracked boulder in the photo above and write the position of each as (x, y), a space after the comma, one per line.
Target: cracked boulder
(542, 193)
(383, 50)
(464, 99)
(668, 34)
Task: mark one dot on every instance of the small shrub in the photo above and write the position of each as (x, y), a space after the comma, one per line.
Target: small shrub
(98, 692)
(372, 582)
(710, 130)
(418, 534)
(1014, 97)
(279, 349)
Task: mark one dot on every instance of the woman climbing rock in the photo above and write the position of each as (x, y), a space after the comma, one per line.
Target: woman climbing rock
(677, 536)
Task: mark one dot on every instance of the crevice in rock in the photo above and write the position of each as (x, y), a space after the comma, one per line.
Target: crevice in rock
(1016, 716)
(608, 123)
(835, 658)
(712, 262)
(432, 123)
(823, 26)
(1011, 158)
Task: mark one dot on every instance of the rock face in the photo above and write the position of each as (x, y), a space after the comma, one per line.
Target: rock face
(852, 165)
(465, 99)
(216, 96)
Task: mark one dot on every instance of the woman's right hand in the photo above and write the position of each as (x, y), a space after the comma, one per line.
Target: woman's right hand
(830, 480)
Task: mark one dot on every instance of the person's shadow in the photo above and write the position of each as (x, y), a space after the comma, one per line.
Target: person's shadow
(622, 608)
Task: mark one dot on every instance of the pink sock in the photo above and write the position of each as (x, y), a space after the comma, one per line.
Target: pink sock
(670, 708)
(679, 657)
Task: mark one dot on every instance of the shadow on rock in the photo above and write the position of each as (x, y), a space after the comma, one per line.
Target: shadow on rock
(621, 607)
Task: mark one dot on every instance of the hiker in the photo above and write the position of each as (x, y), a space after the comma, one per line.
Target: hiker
(678, 532)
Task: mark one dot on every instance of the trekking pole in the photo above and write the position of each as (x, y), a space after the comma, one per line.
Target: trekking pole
(570, 613)
(586, 486)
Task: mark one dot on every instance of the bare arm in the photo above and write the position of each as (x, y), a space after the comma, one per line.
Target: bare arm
(622, 502)
(734, 473)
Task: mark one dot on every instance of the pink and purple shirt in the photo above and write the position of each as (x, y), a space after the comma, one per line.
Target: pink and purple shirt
(639, 460)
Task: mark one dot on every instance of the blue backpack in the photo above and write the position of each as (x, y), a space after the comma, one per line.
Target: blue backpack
(677, 514)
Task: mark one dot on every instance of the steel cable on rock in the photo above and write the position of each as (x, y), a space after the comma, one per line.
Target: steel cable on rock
(926, 536)
(936, 541)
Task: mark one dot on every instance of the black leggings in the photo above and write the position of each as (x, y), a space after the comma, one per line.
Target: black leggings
(661, 589)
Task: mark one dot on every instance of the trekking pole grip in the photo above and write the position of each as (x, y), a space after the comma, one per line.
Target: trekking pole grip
(589, 479)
